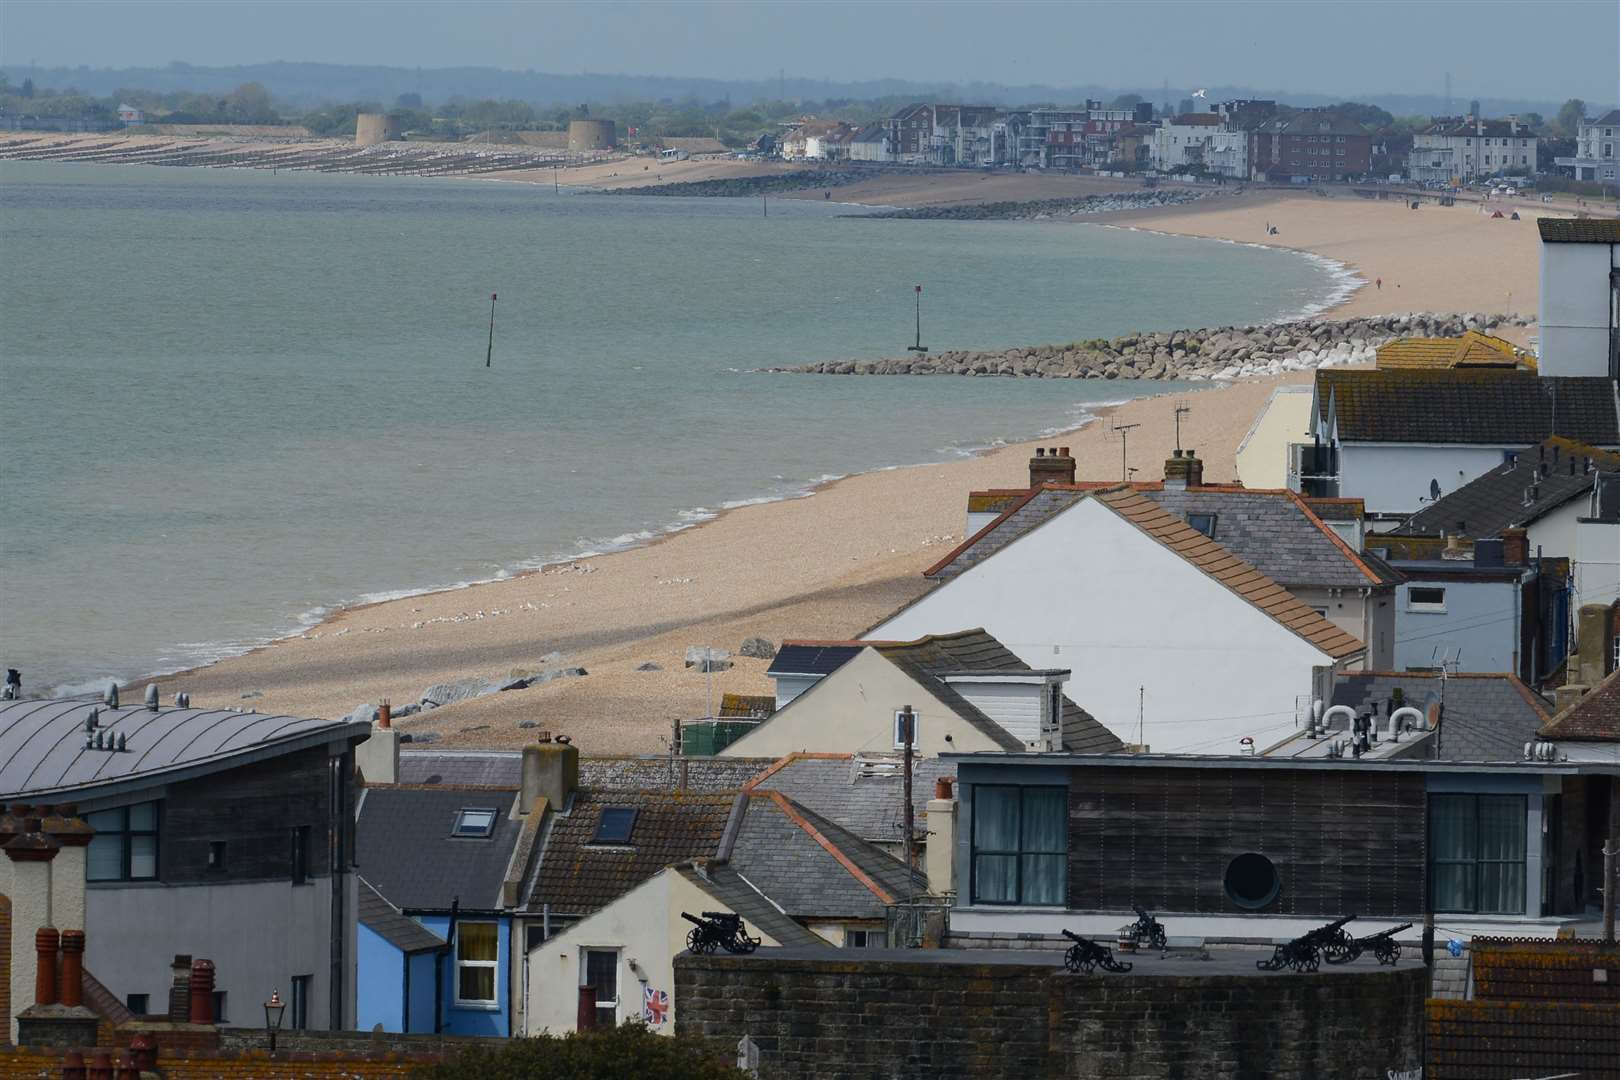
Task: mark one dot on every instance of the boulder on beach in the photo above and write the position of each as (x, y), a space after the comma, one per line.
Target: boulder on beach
(758, 648)
(649, 666)
(447, 693)
(362, 714)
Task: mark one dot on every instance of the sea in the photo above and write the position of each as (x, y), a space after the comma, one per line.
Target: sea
(234, 401)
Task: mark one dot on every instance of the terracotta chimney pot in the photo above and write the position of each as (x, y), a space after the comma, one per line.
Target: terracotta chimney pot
(72, 988)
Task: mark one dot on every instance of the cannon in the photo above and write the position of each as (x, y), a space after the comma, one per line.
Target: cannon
(718, 930)
(1306, 953)
(1382, 945)
(1147, 929)
(1085, 954)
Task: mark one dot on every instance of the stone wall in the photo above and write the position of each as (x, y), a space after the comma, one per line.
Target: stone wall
(953, 1016)
(1223, 352)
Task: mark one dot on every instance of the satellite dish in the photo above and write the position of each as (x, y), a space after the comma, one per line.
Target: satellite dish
(1434, 490)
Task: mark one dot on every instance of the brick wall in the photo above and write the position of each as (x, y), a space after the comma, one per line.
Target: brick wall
(900, 1018)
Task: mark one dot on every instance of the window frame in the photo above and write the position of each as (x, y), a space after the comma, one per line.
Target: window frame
(492, 965)
(1475, 862)
(124, 834)
(1214, 523)
(1437, 607)
(464, 829)
(298, 856)
(298, 1002)
(614, 838)
(916, 730)
(1019, 854)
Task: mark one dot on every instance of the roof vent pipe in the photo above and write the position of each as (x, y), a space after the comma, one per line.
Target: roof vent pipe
(111, 696)
(152, 697)
(1396, 718)
(1345, 711)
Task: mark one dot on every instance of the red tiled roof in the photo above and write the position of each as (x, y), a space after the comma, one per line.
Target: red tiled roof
(1594, 718)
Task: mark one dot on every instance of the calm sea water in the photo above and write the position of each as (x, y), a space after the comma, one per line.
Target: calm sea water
(231, 401)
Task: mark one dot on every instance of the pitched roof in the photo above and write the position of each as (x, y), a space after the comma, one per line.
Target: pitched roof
(1232, 572)
(1472, 350)
(1579, 230)
(404, 847)
(733, 890)
(393, 926)
(625, 772)
(1610, 117)
(1467, 406)
(1276, 532)
(1337, 509)
(1557, 472)
(862, 793)
(578, 877)
(813, 867)
(1461, 126)
(1594, 718)
(747, 705)
(1488, 716)
(43, 752)
(928, 658)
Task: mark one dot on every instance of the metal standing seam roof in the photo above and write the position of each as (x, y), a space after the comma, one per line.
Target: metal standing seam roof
(42, 743)
(1043, 503)
(1579, 230)
(1486, 505)
(403, 846)
(1467, 406)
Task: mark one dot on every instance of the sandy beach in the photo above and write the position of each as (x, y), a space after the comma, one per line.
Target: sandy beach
(829, 565)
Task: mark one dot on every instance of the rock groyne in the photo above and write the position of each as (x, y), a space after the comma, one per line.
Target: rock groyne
(1225, 352)
(1050, 209)
(737, 186)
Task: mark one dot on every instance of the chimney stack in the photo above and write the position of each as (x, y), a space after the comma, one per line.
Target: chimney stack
(1195, 469)
(1515, 547)
(939, 857)
(1051, 465)
(1177, 470)
(550, 772)
(377, 759)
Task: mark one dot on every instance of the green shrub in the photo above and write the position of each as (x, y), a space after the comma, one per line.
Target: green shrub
(630, 1052)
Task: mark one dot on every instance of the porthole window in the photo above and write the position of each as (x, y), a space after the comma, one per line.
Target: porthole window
(1251, 881)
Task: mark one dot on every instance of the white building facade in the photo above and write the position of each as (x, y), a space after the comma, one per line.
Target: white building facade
(1460, 150)
(1596, 145)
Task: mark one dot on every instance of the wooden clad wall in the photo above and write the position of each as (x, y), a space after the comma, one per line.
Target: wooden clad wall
(254, 809)
(1343, 841)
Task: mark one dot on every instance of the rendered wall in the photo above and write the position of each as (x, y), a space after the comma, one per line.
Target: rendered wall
(1575, 308)
(1262, 459)
(902, 1020)
(852, 711)
(380, 983)
(1395, 479)
(473, 1019)
(1479, 620)
(1090, 592)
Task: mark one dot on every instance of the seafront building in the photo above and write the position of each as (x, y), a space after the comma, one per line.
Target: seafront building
(1461, 149)
(1595, 144)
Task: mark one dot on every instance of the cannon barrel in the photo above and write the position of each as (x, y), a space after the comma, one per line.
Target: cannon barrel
(1331, 927)
(720, 916)
(1140, 911)
(1391, 932)
(689, 917)
(1072, 936)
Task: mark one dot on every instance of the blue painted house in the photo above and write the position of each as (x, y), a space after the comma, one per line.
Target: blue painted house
(439, 869)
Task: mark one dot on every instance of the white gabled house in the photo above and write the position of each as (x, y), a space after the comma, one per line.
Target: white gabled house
(1171, 640)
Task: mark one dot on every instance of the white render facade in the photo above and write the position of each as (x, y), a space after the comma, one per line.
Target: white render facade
(1580, 302)
(1469, 150)
(1597, 149)
(1217, 149)
(1133, 620)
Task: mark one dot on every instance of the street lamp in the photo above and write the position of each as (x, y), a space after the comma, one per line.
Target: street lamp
(274, 1010)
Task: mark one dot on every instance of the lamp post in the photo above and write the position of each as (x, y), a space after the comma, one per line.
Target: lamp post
(919, 347)
(274, 1010)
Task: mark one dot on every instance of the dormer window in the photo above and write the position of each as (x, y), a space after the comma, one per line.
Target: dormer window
(615, 825)
(474, 823)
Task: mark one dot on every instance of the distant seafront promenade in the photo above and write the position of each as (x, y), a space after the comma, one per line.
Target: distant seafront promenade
(830, 565)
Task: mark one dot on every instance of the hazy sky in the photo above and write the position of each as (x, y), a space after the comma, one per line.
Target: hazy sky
(1546, 49)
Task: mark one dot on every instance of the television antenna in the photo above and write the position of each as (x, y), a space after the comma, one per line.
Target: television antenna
(1124, 431)
(1182, 409)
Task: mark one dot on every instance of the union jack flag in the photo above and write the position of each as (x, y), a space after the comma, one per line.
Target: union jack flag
(654, 1006)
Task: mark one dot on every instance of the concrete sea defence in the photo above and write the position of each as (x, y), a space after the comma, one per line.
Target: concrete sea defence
(732, 187)
(1224, 352)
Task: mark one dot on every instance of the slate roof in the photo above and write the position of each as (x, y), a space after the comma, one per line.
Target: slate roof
(1557, 471)
(577, 877)
(730, 888)
(42, 749)
(1579, 230)
(927, 658)
(1467, 406)
(1241, 577)
(393, 926)
(404, 848)
(1594, 718)
(632, 772)
(783, 849)
(863, 794)
(1488, 717)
